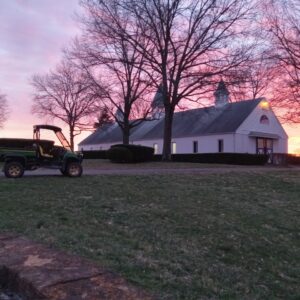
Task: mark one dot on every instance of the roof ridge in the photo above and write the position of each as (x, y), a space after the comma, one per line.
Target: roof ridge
(226, 105)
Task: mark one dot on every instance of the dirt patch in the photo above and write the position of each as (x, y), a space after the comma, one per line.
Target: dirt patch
(37, 272)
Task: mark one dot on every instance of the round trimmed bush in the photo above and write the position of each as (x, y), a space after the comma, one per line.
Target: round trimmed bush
(130, 153)
(119, 155)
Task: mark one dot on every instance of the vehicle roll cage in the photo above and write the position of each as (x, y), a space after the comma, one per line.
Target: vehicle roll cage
(58, 132)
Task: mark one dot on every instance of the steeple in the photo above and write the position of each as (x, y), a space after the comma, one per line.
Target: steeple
(119, 115)
(221, 94)
(157, 104)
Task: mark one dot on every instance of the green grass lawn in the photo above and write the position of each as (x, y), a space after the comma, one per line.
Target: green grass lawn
(216, 236)
(107, 165)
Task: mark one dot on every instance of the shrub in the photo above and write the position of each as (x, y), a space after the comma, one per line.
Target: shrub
(286, 159)
(220, 158)
(120, 155)
(130, 153)
(97, 154)
(293, 159)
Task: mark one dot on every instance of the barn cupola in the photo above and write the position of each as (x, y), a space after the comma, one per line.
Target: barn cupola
(119, 115)
(157, 104)
(221, 94)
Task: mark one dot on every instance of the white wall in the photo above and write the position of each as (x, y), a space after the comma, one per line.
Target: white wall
(252, 123)
(206, 144)
(150, 143)
(245, 144)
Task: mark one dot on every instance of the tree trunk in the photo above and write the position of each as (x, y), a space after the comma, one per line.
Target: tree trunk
(166, 155)
(72, 138)
(126, 132)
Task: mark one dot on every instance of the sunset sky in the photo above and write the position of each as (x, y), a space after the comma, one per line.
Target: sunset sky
(32, 36)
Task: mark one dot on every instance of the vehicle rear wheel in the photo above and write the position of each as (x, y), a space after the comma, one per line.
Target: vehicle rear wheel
(13, 169)
(74, 169)
(62, 171)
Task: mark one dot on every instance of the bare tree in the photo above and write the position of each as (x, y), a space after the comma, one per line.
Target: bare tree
(253, 79)
(3, 110)
(104, 118)
(188, 44)
(283, 20)
(65, 94)
(114, 65)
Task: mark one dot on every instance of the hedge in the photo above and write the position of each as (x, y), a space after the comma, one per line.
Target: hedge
(219, 158)
(98, 154)
(234, 158)
(293, 159)
(130, 153)
(286, 159)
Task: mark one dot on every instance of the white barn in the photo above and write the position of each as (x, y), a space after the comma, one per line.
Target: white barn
(241, 127)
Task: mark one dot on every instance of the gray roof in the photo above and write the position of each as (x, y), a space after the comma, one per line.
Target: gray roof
(193, 122)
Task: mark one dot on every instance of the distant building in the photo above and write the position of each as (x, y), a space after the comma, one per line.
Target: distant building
(248, 126)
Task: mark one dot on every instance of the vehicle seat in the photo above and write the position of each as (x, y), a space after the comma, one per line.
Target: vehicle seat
(43, 154)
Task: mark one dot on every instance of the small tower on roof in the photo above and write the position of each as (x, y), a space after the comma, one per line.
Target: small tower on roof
(157, 104)
(119, 115)
(221, 94)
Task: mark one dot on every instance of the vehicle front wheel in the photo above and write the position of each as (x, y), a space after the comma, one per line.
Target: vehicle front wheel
(74, 169)
(13, 169)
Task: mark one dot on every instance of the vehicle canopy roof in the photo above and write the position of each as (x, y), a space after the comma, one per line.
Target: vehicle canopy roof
(57, 131)
(48, 127)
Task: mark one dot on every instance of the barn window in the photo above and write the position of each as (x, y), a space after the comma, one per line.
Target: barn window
(195, 146)
(220, 146)
(155, 146)
(174, 148)
(264, 119)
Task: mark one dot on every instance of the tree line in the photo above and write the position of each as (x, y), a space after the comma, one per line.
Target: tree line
(131, 49)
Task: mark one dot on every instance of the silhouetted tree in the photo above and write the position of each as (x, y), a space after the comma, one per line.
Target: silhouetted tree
(104, 118)
(65, 94)
(113, 64)
(253, 79)
(283, 24)
(185, 44)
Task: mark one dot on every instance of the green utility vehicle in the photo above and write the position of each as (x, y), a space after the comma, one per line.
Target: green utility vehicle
(21, 155)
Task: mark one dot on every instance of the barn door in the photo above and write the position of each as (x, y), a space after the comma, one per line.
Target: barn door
(265, 146)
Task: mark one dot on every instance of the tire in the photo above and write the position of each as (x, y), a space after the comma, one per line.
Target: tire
(74, 169)
(13, 169)
(63, 172)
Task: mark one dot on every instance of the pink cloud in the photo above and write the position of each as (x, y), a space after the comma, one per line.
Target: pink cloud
(32, 34)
